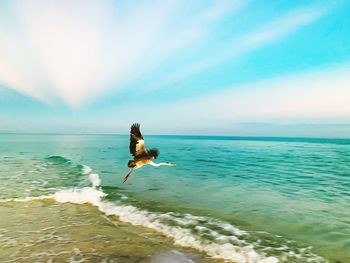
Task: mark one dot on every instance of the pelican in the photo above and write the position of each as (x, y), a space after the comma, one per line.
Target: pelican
(142, 155)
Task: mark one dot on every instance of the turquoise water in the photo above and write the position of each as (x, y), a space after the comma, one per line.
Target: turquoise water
(234, 198)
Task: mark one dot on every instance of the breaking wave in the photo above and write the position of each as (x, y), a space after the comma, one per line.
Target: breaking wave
(217, 239)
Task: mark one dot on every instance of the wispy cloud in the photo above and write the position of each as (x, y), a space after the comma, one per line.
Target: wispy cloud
(321, 96)
(77, 51)
(282, 26)
(85, 47)
(268, 33)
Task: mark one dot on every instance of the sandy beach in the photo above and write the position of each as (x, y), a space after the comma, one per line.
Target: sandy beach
(46, 231)
(268, 206)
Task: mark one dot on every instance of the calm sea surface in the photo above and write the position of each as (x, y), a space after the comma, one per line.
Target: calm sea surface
(230, 198)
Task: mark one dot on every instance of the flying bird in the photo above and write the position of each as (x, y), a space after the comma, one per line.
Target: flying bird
(142, 155)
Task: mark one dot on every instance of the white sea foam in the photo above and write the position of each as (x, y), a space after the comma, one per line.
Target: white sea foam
(86, 169)
(230, 246)
(181, 236)
(93, 177)
(27, 199)
(80, 196)
(95, 180)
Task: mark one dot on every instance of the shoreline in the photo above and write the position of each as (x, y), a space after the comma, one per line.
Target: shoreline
(80, 233)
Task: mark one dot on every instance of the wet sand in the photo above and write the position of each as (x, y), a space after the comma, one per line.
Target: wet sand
(46, 231)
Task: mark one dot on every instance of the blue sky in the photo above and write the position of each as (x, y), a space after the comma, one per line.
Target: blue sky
(255, 68)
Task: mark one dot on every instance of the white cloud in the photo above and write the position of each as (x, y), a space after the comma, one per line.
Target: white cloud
(18, 67)
(268, 33)
(282, 26)
(311, 97)
(79, 50)
(84, 47)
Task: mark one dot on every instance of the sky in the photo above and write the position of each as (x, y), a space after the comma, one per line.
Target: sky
(236, 67)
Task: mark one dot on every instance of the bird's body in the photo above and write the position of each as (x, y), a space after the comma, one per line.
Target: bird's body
(142, 155)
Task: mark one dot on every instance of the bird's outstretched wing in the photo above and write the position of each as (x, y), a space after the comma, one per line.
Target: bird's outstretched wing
(137, 144)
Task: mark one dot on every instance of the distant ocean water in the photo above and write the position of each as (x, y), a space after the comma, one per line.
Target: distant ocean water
(239, 199)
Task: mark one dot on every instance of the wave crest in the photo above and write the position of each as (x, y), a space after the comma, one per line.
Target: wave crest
(217, 239)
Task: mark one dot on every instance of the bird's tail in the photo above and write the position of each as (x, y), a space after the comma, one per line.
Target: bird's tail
(153, 152)
(127, 176)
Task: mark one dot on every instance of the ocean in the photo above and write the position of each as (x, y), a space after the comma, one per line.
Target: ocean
(229, 199)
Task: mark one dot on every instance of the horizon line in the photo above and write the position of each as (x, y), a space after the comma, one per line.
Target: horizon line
(179, 135)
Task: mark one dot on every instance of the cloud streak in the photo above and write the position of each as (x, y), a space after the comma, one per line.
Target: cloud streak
(317, 97)
(93, 61)
(270, 32)
(77, 51)
(83, 47)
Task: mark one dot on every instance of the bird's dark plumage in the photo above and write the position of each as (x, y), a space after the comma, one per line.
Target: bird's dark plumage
(142, 155)
(135, 130)
(153, 152)
(136, 140)
(137, 144)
